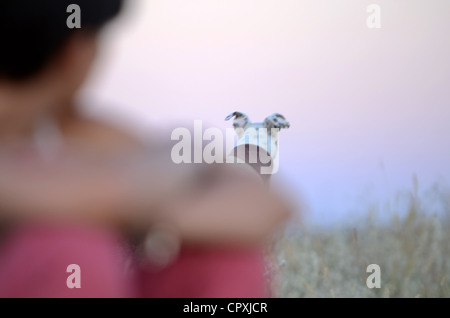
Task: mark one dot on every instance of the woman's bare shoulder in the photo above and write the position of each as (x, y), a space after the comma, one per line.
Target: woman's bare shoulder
(102, 136)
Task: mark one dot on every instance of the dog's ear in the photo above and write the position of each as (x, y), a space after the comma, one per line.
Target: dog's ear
(279, 116)
(235, 114)
(276, 121)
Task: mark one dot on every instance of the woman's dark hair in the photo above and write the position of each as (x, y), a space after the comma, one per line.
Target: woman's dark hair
(32, 32)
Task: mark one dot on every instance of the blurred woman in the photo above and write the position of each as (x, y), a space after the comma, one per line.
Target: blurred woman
(77, 191)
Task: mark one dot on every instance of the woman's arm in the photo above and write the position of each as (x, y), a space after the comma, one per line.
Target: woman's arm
(209, 204)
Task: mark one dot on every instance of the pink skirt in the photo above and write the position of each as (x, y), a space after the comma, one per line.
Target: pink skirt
(34, 262)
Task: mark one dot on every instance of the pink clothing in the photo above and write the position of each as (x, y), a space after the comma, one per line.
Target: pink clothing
(34, 261)
(207, 274)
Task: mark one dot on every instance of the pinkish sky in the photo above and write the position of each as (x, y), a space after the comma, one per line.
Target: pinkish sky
(368, 107)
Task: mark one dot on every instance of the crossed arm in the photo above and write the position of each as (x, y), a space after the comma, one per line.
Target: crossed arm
(221, 204)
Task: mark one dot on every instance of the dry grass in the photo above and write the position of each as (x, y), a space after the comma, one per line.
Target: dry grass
(412, 251)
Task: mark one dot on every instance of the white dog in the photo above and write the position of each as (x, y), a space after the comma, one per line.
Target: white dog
(245, 127)
(250, 133)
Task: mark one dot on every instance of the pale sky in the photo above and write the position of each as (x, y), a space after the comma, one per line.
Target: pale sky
(368, 107)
